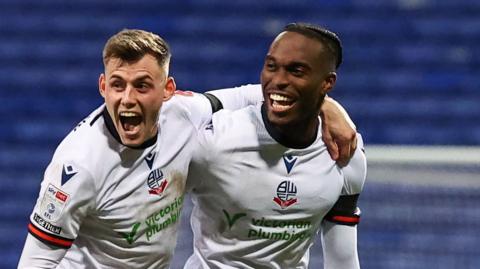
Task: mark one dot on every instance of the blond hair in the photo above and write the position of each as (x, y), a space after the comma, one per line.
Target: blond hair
(131, 45)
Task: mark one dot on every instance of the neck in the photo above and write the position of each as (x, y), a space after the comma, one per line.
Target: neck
(297, 135)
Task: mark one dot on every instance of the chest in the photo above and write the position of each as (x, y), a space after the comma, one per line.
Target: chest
(273, 181)
(141, 196)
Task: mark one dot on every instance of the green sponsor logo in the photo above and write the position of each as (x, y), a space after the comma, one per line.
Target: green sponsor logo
(287, 236)
(298, 224)
(231, 220)
(156, 222)
(288, 230)
(131, 235)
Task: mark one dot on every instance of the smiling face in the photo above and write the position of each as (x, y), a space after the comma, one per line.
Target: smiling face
(134, 93)
(297, 74)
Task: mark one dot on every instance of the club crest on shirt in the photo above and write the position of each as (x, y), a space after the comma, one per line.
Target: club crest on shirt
(53, 203)
(286, 194)
(156, 182)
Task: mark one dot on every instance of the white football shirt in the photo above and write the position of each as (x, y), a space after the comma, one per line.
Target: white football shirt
(258, 204)
(113, 206)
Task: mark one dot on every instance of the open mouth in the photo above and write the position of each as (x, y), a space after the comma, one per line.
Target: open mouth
(281, 102)
(130, 121)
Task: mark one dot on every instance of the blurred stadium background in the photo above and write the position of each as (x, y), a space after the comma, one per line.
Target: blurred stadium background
(410, 80)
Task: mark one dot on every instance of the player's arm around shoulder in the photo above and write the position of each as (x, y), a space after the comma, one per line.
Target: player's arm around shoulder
(198, 107)
(212, 134)
(238, 97)
(188, 106)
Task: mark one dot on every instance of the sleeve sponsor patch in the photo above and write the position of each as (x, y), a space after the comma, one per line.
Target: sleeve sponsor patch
(48, 238)
(46, 225)
(53, 203)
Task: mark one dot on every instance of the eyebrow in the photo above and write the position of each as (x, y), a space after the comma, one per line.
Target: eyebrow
(296, 63)
(302, 64)
(143, 77)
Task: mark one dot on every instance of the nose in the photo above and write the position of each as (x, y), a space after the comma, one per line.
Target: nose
(280, 78)
(128, 97)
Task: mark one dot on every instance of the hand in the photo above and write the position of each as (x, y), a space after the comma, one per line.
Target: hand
(339, 132)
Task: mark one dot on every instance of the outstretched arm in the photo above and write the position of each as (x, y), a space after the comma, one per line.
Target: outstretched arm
(236, 98)
(337, 128)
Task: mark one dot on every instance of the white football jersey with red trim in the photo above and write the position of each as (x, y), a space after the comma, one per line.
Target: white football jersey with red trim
(258, 204)
(113, 206)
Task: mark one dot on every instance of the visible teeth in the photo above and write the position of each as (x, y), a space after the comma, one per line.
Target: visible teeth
(277, 97)
(128, 114)
(279, 106)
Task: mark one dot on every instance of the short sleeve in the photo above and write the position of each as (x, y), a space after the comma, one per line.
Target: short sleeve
(67, 194)
(196, 107)
(239, 97)
(355, 173)
(345, 210)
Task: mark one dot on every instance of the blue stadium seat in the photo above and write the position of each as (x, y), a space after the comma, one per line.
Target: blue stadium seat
(410, 76)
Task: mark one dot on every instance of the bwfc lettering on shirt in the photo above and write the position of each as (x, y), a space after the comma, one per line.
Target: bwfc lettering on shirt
(286, 190)
(286, 194)
(156, 182)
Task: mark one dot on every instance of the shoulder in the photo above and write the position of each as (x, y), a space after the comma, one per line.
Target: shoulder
(87, 144)
(247, 87)
(231, 129)
(355, 172)
(233, 121)
(87, 129)
(237, 97)
(190, 106)
(185, 101)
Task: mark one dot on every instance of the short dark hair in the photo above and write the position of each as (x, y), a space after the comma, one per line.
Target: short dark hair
(131, 45)
(327, 37)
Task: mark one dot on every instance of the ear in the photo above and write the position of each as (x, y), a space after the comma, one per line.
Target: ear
(170, 88)
(329, 82)
(101, 85)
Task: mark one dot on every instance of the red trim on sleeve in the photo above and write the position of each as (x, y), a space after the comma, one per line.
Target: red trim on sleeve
(343, 219)
(54, 240)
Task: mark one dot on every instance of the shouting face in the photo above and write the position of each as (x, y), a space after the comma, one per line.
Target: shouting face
(134, 93)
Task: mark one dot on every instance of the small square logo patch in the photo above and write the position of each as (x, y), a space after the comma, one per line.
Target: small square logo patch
(53, 203)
